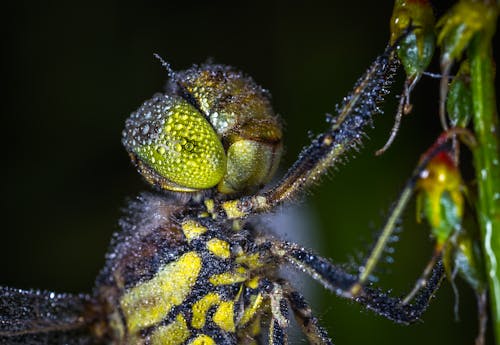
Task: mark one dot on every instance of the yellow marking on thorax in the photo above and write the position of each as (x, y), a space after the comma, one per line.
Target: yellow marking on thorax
(250, 312)
(224, 316)
(219, 248)
(149, 302)
(200, 309)
(252, 261)
(253, 283)
(174, 333)
(192, 230)
(202, 339)
(209, 204)
(237, 276)
(232, 210)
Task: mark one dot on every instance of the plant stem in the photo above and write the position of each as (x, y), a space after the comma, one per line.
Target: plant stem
(486, 160)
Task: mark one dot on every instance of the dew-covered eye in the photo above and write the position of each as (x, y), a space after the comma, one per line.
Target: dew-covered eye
(213, 127)
(240, 112)
(174, 146)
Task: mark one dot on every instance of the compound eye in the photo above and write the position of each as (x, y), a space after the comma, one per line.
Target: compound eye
(174, 146)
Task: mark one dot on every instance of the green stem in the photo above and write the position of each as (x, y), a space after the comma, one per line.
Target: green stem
(486, 160)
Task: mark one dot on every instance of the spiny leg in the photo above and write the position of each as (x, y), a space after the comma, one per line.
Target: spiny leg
(305, 318)
(340, 282)
(391, 308)
(424, 277)
(327, 149)
(279, 316)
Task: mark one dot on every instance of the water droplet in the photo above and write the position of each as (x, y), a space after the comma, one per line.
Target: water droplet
(161, 150)
(484, 174)
(330, 119)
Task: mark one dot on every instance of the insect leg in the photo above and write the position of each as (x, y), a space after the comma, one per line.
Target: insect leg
(422, 280)
(340, 282)
(345, 132)
(391, 308)
(279, 316)
(305, 318)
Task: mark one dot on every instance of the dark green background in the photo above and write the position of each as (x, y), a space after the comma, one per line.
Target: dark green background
(72, 73)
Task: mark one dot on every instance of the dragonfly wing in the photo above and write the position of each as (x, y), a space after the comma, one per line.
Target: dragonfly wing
(32, 317)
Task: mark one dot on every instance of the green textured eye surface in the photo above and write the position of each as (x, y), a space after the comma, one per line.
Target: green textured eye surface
(227, 97)
(173, 145)
(240, 112)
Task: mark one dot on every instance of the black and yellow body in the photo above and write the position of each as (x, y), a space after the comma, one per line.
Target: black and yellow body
(193, 265)
(180, 279)
(174, 278)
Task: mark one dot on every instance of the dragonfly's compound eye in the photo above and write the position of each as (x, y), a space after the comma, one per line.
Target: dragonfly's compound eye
(213, 127)
(174, 146)
(251, 161)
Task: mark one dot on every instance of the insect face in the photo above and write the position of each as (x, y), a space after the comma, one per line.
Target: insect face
(213, 127)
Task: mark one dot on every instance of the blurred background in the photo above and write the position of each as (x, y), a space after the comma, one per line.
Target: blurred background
(73, 72)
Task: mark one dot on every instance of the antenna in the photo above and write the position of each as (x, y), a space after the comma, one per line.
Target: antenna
(165, 64)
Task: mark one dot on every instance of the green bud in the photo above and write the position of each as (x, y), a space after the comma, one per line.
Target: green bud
(459, 100)
(461, 23)
(468, 261)
(416, 48)
(441, 188)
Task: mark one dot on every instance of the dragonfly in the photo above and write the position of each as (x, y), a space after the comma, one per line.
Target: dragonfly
(192, 263)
